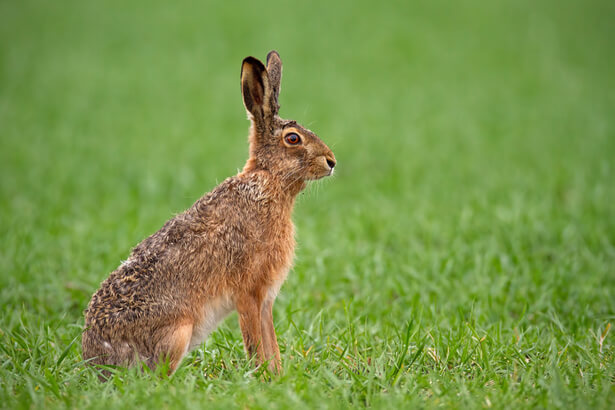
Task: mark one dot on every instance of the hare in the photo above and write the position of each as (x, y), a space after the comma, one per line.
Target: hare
(231, 250)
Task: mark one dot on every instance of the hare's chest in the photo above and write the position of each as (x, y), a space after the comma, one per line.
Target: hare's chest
(280, 250)
(274, 254)
(280, 257)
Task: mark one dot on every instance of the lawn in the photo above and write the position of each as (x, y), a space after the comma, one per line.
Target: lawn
(463, 256)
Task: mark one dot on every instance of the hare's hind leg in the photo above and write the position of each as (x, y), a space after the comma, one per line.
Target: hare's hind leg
(173, 345)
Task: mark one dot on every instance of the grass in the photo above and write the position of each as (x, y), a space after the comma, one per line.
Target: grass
(463, 256)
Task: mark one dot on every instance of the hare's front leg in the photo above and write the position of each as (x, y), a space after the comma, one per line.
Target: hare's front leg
(270, 342)
(249, 310)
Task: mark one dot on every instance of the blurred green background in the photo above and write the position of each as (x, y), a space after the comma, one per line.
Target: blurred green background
(472, 206)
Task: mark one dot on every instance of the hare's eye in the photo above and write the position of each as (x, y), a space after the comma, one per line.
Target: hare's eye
(292, 139)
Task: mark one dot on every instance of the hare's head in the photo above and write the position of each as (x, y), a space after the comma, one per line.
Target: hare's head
(279, 146)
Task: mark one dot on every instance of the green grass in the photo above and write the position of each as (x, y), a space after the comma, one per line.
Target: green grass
(463, 256)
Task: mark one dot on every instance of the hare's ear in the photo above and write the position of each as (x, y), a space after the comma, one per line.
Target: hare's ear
(254, 83)
(260, 87)
(274, 70)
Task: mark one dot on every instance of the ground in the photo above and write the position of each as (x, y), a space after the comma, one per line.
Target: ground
(462, 256)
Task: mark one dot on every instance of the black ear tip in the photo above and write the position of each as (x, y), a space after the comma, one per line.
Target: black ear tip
(254, 63)
(251, 60)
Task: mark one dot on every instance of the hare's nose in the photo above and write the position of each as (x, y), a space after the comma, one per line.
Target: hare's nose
(331, 162)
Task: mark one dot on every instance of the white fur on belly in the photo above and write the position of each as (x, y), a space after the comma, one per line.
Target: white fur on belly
(213, 313)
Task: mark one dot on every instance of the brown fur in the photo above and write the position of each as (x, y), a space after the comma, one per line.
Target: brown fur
(231, 250)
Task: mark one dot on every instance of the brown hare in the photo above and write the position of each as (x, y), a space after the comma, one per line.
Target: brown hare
(231, 250)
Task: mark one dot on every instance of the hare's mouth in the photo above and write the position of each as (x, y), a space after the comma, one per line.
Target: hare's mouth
(319, 175)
